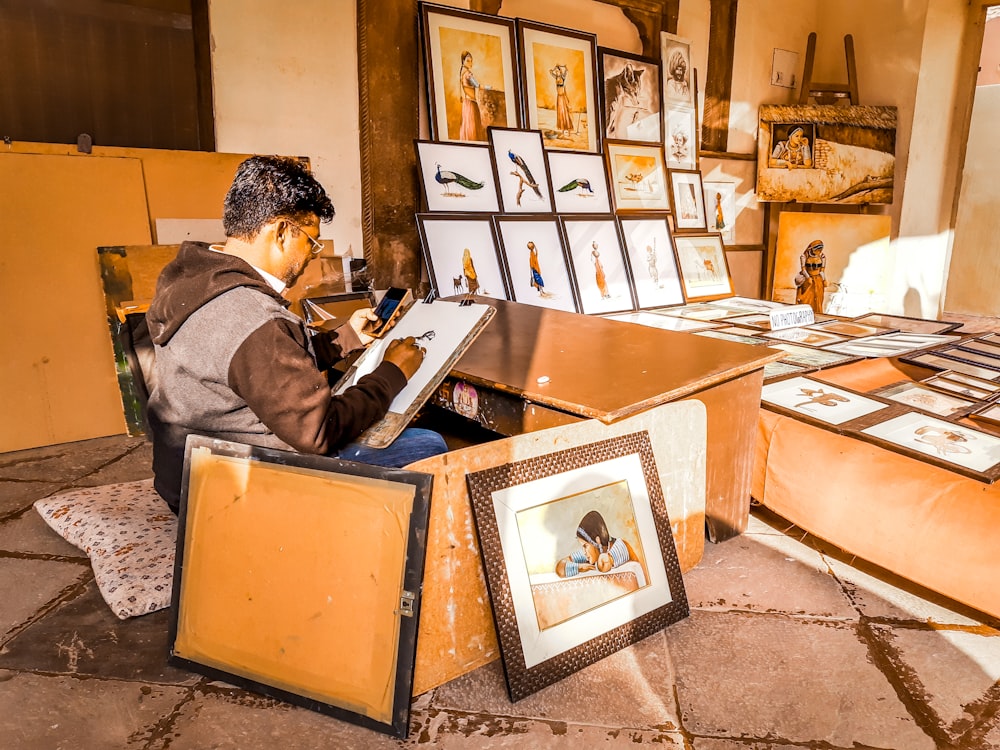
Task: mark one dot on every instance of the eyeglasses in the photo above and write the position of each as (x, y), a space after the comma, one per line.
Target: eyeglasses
(317, 246)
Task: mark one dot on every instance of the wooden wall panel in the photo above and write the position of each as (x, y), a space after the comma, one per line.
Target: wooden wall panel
(121, 71)
(57, 375)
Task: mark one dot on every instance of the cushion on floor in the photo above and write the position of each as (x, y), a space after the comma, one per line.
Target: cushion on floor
(129, 533)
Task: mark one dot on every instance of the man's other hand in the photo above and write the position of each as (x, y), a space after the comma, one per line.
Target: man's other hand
(360, 319)
(405, 354)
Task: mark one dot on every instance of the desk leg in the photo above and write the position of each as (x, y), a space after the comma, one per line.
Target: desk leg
(733, 409)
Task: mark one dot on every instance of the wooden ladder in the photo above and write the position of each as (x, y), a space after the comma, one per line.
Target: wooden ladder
(829, 93)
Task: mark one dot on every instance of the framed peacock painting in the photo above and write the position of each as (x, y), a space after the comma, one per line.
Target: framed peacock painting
(457, 177)
(579, 183)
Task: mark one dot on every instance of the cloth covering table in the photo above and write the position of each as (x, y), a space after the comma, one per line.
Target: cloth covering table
(924, 523)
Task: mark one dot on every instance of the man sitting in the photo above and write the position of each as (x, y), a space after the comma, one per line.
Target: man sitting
(233, 363)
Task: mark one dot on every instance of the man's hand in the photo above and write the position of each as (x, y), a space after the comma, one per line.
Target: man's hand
(360, 319)
(405, 354)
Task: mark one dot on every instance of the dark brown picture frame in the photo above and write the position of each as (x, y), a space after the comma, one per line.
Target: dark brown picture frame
(907, 324)
(472, 24)
(585, 278)
(521, 174)
(616, 73)
(261, 632)
(574, 42)
(664, 600)
(683, 222)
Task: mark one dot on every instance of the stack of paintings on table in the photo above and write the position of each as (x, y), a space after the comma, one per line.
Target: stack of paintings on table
(946, 414)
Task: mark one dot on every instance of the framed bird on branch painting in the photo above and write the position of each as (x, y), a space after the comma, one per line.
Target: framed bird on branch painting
(522, 173)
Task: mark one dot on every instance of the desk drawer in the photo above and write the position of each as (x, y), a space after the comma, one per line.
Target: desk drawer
(495, 410)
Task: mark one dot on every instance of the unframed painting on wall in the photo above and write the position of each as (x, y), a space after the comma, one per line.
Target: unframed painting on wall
(840, 260)
(826, 154)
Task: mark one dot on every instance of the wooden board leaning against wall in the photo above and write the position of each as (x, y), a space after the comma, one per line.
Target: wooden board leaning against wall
(58, 377)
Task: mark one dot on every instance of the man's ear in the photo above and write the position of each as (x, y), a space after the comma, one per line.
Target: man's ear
(281, 229)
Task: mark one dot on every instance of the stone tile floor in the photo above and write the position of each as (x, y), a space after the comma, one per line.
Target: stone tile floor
(790, 644)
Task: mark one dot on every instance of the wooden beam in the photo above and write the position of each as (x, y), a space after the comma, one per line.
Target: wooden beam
(203, 74)
(388, 85)
(719, 80)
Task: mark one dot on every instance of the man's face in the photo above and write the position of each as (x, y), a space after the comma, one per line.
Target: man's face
(303, 242)
(679, 70)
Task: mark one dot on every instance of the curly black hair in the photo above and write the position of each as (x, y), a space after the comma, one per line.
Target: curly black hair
(272, 187)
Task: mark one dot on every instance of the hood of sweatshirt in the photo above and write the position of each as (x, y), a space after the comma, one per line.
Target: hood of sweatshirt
(196, 276)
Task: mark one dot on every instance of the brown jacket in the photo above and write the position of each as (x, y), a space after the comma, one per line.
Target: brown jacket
(232, 362)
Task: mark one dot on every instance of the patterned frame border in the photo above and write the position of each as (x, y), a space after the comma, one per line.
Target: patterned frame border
(522, 680)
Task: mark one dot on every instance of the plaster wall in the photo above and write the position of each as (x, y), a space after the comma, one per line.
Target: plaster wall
(608, 22)
(286, 82)
(989, 64)
(974, 272)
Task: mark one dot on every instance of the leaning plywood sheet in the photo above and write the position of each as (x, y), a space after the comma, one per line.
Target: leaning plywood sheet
(57, 375)
(178, 184)
(456, 624)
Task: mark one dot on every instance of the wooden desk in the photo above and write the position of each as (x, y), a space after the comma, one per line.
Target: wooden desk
(608, 370)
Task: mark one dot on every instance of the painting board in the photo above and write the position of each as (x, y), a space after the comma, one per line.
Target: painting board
(457, 177)
(649, 249)
(891, 344)
(630, 94)
(687, 200)
(663, 322)
(804, 336)
(856, 252)
(638, 177)
(597, 263)
(461, 255)
(558, 73)
(818, 401)
(850, 328)
(990, 414)
(932, 359)
(59, 379)
(704, 268)
(541, 278)
(963, 385)
(678, 83)
(925, 399)
(579, 183)
(738, 337)
(445, 330)
(826, 154)
(784, 66)
(904, 323)
(527, 514)
(680, 142)
(521, 171)
(808, 357)
(747, 216)
(963, 449)
(277, 613)
(720, 209)
(466, 97)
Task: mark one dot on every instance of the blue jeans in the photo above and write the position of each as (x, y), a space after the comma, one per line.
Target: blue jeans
(413, 444)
